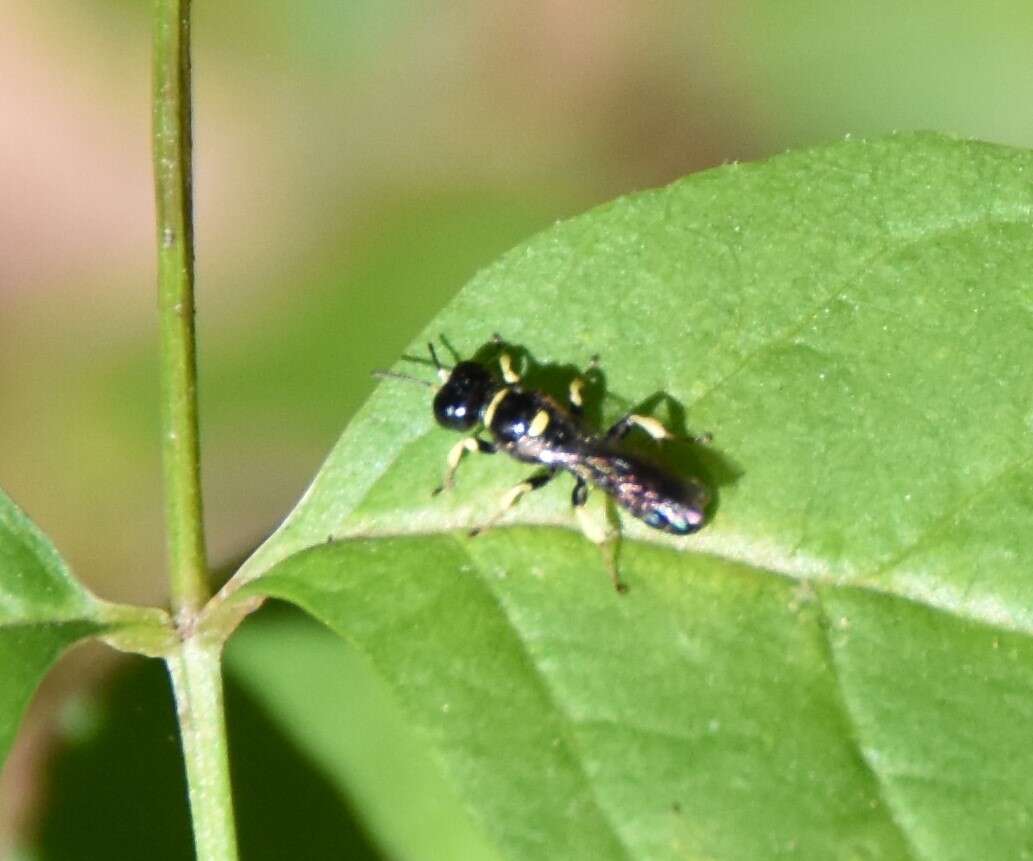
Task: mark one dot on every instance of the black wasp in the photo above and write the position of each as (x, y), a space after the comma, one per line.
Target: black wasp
(533, 427)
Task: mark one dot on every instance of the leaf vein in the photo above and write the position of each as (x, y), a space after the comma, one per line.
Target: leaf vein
(852, 734)
(564, 719)
(910, 236)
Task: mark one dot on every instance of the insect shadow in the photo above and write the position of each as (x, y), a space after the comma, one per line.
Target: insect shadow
(691, 453)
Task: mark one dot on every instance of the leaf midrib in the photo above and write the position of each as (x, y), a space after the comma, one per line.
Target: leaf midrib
(725, 547)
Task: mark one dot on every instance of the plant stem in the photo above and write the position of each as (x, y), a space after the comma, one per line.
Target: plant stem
(197, 683)
(188, 576)
(194, 663)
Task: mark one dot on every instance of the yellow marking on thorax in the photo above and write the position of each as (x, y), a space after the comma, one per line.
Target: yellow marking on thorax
(539, 423)
(489, 413)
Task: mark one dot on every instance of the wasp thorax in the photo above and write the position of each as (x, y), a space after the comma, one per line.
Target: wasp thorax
(458, 403)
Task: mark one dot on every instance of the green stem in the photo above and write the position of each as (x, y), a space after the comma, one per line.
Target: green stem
(197, 683)
(194, 662)
(188, 576)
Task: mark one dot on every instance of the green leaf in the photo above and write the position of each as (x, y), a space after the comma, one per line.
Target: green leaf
(841, 664)
(396, 790)
(43, 610)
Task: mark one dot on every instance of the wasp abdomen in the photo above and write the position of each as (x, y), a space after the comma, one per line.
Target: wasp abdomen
(650, 493)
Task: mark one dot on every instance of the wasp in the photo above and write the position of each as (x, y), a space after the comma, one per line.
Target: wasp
(533, 427)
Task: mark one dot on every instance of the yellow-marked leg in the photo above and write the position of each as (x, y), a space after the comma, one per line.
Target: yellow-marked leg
(650, 425)
(590, 526)
(605, 536)
(512, 496)
(506, 363)
(455, 457)
(576, 390)
(610, 551)
(575, 394)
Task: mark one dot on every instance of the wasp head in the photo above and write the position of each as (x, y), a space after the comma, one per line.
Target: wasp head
(458, 403)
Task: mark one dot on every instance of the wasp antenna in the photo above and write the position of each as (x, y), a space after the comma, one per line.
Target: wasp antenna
(416, 360)
(391, 375)
(442, 370)
(448, 346)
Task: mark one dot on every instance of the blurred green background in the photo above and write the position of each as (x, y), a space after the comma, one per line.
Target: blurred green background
(355, 164)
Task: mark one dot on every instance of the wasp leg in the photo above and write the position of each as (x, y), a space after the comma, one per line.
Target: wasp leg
(650, 425)
(513, 495)
(653, 425)
(505, 361)
(455, 455)
(580, 494)
(575, 393)
(606, 539)
(610, 552)
(508, 374)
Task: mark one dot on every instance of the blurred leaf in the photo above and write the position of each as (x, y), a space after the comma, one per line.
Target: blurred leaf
(354, 731)
(116, 780)
(416, 249)
(840, 665)
(817, 72)
(118, 789)
(43, 610)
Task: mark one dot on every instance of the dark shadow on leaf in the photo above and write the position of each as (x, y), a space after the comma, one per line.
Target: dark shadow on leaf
(119, 791)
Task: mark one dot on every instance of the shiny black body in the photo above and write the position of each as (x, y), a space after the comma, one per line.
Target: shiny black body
(533, 427)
